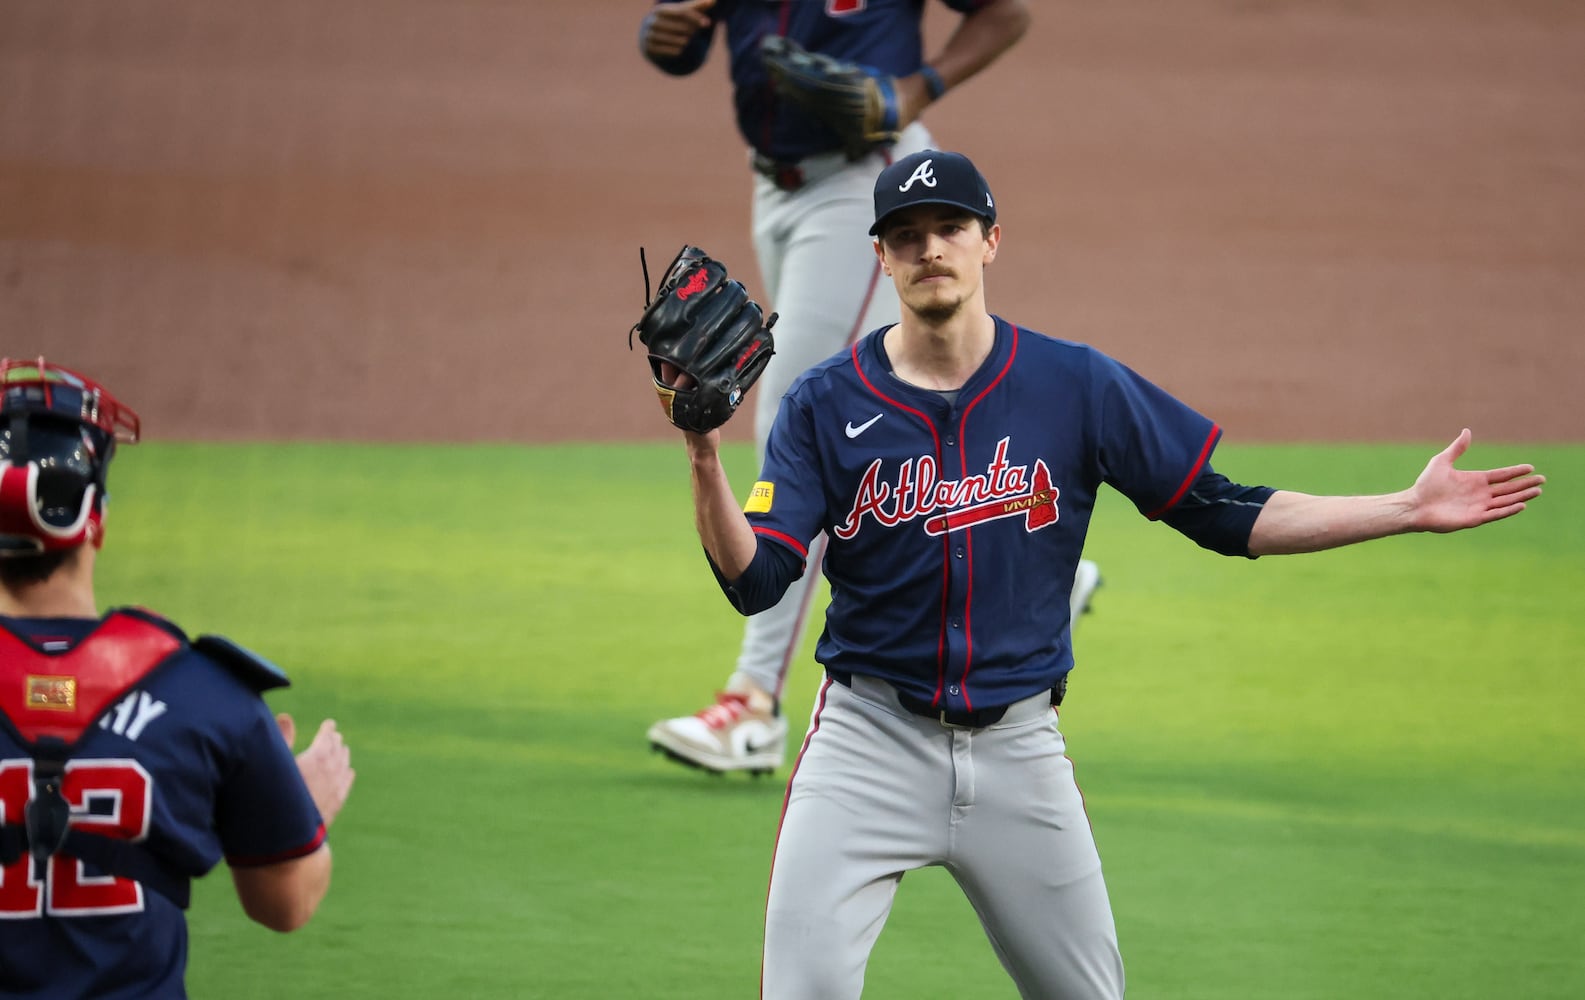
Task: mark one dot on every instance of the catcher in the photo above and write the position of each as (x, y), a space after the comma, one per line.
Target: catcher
(132, 758)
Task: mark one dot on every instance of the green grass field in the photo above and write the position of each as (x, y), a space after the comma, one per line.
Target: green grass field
(1357, 774)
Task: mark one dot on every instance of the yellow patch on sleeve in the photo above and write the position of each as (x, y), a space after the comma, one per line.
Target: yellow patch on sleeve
(760, 498)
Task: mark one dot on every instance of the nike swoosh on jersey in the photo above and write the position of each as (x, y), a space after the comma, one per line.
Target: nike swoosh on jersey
(854, 432)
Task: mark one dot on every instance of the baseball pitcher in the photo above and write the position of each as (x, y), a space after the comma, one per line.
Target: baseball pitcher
(953, 459)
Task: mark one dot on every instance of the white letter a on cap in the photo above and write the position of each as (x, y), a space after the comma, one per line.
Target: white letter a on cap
(923, 174)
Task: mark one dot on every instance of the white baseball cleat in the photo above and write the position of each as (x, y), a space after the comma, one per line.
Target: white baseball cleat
(740, 732)
(1085, 582)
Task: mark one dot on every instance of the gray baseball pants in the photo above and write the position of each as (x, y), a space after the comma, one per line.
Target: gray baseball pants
(879, 791)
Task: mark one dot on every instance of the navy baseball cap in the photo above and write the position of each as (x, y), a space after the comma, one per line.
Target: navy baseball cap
(932, 177)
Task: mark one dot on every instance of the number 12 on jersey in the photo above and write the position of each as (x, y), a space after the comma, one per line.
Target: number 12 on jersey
(123, 792)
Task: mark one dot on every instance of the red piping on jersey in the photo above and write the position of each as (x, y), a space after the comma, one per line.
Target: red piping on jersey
(814, 727)
(946, 541)
(783, 537)
(968, 543)
(941, 638)
(1194, 473)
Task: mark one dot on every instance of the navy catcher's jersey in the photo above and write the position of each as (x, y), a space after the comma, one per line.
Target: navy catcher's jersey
(956, 527)
(186, 766)
(884, 34)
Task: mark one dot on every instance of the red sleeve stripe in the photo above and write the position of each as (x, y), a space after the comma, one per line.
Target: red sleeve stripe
(1194, 473)
(255, 860)
(784, 538)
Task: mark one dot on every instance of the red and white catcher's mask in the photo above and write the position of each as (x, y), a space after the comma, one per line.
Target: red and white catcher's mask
(58, 432)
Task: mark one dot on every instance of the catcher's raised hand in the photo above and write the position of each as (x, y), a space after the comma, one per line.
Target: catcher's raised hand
(708, 342)
(669, 27)
(326, 765)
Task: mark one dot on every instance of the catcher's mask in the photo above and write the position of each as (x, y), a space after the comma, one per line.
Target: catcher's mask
(58, 432)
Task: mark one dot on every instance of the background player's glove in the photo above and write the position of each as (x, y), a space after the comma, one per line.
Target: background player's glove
(704, 324)
(858, 103)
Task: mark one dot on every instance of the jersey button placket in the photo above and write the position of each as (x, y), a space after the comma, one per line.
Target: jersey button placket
(958, 572)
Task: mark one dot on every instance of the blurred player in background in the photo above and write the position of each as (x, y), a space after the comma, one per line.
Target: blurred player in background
(810, 216)
(132, 759)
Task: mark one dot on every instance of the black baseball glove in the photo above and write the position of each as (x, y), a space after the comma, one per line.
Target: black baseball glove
(703, 325)
(857, 102)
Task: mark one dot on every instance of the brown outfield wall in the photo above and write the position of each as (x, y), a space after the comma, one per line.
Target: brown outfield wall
(419, 219)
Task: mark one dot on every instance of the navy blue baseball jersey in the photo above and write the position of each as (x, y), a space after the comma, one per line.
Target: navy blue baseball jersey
(956, 524)
(884, 34)
(181, 763)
